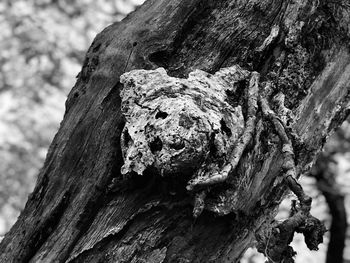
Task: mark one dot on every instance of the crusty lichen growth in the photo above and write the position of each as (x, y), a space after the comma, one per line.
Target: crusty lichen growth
(174, 124)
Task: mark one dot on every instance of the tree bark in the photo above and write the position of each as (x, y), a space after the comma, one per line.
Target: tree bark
(83, 210)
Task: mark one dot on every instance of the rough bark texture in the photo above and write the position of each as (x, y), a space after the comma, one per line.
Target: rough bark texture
(83, 210)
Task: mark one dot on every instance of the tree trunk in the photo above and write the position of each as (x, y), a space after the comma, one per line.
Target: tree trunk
(83, 210)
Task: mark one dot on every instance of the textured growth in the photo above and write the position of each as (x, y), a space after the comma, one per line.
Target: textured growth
(175, 125)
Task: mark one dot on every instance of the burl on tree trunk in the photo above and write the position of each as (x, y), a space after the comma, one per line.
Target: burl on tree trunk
(295, 59)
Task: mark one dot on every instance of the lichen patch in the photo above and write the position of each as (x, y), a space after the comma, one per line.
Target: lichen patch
(172, 123)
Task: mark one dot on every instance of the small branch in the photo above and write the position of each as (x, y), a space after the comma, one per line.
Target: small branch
(206, 179)
(301, 220)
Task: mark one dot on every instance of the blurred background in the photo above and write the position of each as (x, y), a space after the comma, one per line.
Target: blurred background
(42, 48)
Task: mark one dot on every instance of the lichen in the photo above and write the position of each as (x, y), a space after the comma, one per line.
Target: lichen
(174, 124)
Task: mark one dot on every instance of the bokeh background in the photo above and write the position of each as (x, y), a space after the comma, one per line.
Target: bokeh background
(42, 48)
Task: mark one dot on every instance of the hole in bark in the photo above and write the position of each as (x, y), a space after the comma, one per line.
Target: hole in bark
(160, 58)
(236, 97)
(96, 48)
(156, 145)
(225, 129)
(94, 61)
(212, 148)
(177, 146)
(161, 114)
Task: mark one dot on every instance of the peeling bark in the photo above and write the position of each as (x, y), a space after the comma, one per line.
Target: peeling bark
(82, 208)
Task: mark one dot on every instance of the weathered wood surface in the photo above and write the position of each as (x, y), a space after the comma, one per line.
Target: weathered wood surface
(83, 211)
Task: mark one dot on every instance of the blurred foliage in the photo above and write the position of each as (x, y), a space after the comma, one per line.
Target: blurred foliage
(42, 43)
